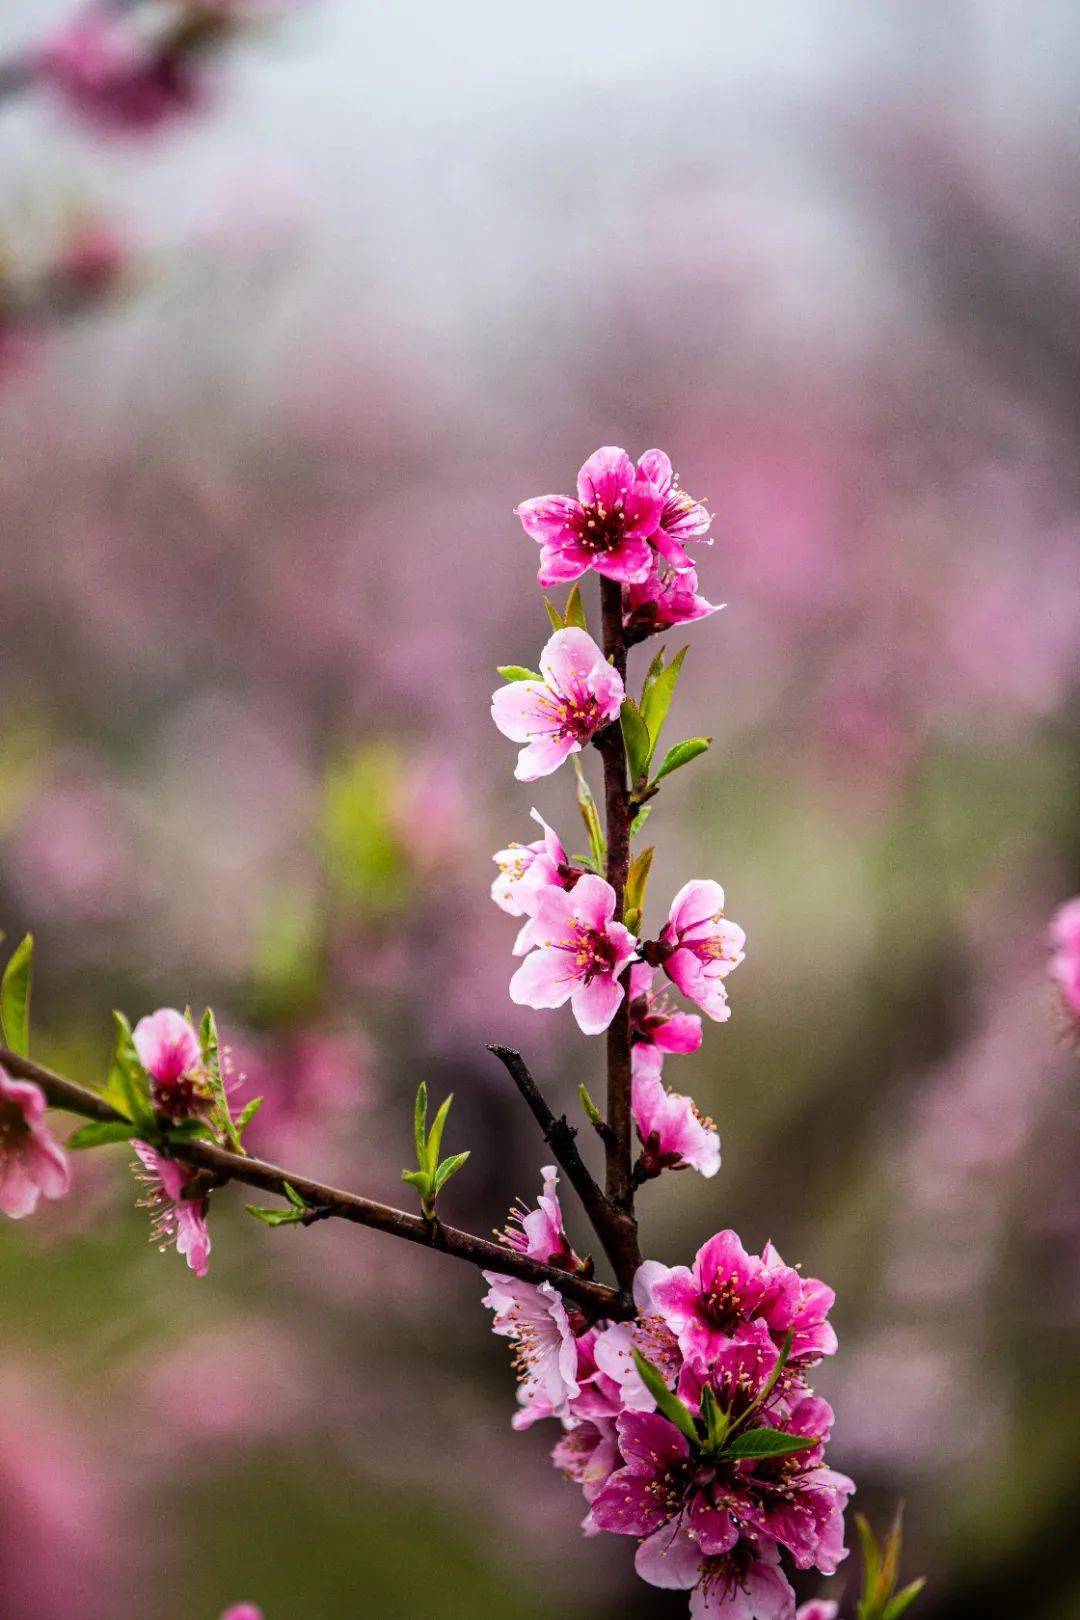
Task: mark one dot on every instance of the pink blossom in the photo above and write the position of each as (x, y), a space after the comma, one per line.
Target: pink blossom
(649, 1335)
(176, 1219)
(817, 1609)
(606, 528)
(243, 1611)
(673, 1135)
(169, 1051)
(662, 600)
(32, 1162)
(583, 953)
(91, 260)
(681, 517)
(813, 1336)
(707, 1305)
(653, 1021)
(579, 695)
(534, 1317)
(1065, 962)
(746, 1584)
(525, 871)
(540, 1232)
(588, 1454)
(698, 947)
(111, 79)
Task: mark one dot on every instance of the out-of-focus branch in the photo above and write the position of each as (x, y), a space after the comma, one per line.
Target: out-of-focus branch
(330, 1202)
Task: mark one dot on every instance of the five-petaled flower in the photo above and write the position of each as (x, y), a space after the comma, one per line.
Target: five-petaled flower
(525, 871)
(579, 695)
(535, 1318)
(32, 1163)
(175, 1218)
(584, 951)
(607, 528)
(698, 947)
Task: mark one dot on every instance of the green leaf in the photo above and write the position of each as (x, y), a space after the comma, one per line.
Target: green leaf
(208, 1043)
(15, 997)
(871, 1558)
(638, 880)
(668, 1404)
(716, 1423)
(575, 610)
(248, 1112)
(653, 673)
(589, 1106)
(418, 1179)
(99, 1132)
(636, 737)
(420, 1123)
(656, 701)
(434, 1141)
(640, 819)
(590, 816)
(128, 1085)
(275, 1217)
(293, 1196)
(768, 1443)
(187, 1130)
(518, 672)
(903, 1600)
(557, 620)
(448, 1168)
(680, 755)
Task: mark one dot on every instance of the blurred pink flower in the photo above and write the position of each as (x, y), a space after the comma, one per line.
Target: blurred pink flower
(1065, 962)
(115, 81)
(607, 528)
(681, 517)
(176, 1219)
(555, 717)
(32, 1162)
(584, 952)
(91, 260)
(673, 1134)
(242, 1611)
(312, 1082)
(699, 947)
(817, 1609)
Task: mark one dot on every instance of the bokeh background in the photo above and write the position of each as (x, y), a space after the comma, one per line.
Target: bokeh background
(407, 266)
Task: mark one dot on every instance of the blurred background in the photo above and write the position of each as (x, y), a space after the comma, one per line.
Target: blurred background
(278, 355)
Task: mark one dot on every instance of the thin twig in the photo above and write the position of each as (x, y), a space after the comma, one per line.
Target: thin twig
(329, 1202)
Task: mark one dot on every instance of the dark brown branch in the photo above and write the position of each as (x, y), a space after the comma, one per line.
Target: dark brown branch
(561, 1137)
(328, 1202)
(619, 814)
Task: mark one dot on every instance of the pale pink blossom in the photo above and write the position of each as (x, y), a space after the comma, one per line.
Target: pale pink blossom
(534, 1317)
(525, 871)
(698, 947)
(653, 1020)
(32, 1163)
(588, 1454)
(607, 528)
(579, 695)
(673, 1135)
(663, 600)
(176, 1219)
(681, 517)
(169, 1051)
(584, 950)
(116, 81)
(817, 1609)
(540, 1232)
(1065, 962)
(746, 1584)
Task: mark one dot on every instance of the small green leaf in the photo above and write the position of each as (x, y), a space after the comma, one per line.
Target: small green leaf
(434, 1141)
(99, 1132)
(640, 819)
(768, 1443)
(575, 610)
(903, 1600)
(590, 816)
(275, 1217)
(638, 880)
(208, 1042)
(15, 997)
(656, 702)
(680, 755)
(557, 620)
(418, 1179)
(420, 1123)
(293, 1196)
(636, 737)
(668, 1404)
(448, 1168)
(653, 673)
(632, 919)
(716, 1423)
(518, 672)
(248, 1113)
(593, 1113)
(187, 1130)
(128, 1086)
(871, 1575)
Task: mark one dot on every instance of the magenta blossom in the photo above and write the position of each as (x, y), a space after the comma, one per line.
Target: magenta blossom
(540, 1232)
(673, 1135)
(169, 1051)
(243, 1611)
(681, 517)
(654, 1022)
(606, 528)
(534, 1317)
(706, 1306)
(698, 947)
(663, 600)
(583, 953)
(555, 717)
(111, 79)
(817, 1609)
(176, 1219)
(525, 871)
(813, 1335)
(1065, 962)
(32, 1163)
